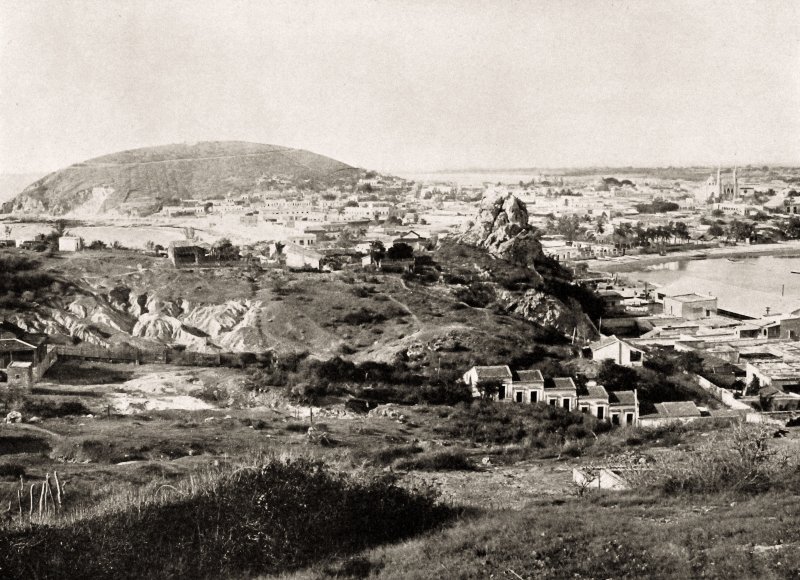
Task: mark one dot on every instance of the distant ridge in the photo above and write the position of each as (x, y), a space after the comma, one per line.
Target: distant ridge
(140, 181)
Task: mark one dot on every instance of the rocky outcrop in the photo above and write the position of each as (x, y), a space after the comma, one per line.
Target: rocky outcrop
(548, 311)
(501, 227)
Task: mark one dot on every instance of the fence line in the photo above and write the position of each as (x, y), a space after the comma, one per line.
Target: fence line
(160, 356)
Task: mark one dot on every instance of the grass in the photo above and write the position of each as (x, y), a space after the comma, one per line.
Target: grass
(253, 520)
(622, 535)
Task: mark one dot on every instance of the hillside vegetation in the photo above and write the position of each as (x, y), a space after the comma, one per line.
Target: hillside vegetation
(141, 180)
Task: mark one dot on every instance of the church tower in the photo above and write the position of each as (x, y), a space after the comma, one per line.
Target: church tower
(719, 183)
(735, 184)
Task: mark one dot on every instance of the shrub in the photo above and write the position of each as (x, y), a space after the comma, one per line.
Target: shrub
(50, 409)
(12, 470)
(742, 463)
(446, 460)
(255, 521)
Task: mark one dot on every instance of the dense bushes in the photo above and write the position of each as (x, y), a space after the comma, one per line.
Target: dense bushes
(738, 461)
(537, 426)
(48, 409)
(265, 520)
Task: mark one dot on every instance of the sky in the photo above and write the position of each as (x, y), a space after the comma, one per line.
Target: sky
(405, 85)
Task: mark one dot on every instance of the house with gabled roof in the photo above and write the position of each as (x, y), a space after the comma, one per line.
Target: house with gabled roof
(527, 386)
(623, 407)
(478, 375)
(23, 356)
(561, 392)
(594, 401)
(617, 350)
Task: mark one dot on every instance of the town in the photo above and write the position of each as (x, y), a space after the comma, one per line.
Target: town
(387, 290)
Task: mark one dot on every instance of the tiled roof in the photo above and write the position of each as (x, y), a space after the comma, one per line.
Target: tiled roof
(678, 409)
(622, 398)
(495, 372)
(603, 342)
(563, 383)
(595, 392)
(529, 376)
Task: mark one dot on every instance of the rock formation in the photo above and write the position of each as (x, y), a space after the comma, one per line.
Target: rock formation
(502, 228)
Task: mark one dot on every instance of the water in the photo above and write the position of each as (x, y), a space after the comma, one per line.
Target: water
(763, 273)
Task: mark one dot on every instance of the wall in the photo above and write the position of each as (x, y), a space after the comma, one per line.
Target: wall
(723, 395)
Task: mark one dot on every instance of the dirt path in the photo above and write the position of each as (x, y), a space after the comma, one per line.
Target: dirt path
(501, 487)
(29, 427)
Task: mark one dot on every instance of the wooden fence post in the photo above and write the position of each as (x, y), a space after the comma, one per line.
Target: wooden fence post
(58, 488)
(30, 512)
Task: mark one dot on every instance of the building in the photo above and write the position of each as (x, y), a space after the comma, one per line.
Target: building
(783, 374)
(187, 252)
(70, 244)
(302, 258)
(24, 357)
(303, 239)
(617, 350)
(594, 402)
(563, 393)
(690, 306)
(527, 387)
(478, 376)
(623, 407)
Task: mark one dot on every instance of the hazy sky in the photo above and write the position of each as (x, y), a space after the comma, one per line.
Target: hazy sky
(405, 84)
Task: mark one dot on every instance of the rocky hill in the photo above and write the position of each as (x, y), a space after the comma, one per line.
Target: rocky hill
(140, 181)
(529, 285)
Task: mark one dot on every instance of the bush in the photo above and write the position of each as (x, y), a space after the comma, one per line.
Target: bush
(12, 470)
(256, 521)
(48, 409)
(447, 460)
(742, 463)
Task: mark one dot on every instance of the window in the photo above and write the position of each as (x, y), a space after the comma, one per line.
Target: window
(518, 396)
(534, 396)
(615, 418)
(584, 409)
(629, 418)
(601, 412)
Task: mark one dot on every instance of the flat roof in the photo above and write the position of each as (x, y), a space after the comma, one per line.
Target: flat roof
(691, 298)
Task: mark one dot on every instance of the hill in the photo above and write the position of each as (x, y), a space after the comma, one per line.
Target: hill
(140, 181)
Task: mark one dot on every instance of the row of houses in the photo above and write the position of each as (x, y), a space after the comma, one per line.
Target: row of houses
(530, 387)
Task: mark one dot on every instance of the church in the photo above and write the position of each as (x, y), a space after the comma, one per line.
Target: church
(716, 189)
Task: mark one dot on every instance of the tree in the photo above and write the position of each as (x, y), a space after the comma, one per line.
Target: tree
(617, 377)
(689, 361)
(792, 229)
(716, 230)
(568, 226)
(377, 251)
(753, 386)
(600, 223)
(681, 231)
(400, 251)
(739, 230)
(224, 250)
(488, 389)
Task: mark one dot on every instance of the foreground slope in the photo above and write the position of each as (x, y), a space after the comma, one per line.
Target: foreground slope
(139, 181)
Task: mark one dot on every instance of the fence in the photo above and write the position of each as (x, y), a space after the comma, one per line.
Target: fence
(723, 395)
(165, 355)
(113, 354)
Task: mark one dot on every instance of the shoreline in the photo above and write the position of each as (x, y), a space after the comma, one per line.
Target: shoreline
(641, 261)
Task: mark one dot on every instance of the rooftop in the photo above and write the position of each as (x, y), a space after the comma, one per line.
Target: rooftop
(678, 409)
(529, 376)
(563, 384)
(596, 392)
(622, 398)
(692, 298)
(493, 372)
